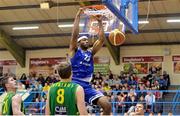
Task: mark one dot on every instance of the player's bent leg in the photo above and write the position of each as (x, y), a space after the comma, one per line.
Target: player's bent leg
(104, 103)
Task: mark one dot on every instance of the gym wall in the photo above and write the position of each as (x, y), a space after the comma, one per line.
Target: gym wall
(125, 51)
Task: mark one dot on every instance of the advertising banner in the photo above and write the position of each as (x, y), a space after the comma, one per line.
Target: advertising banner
(8, 67)
(44, 66)
(176, 64)
(101, 64)
(143, 64)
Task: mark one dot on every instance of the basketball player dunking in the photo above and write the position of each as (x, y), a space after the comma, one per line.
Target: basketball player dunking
(82, 63)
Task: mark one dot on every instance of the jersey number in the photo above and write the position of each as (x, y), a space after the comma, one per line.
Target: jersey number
(60, 96)
(87, 58)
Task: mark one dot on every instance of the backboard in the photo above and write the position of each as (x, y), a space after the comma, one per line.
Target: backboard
(121, 14)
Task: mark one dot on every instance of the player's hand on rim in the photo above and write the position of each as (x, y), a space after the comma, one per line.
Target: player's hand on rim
(98, 17)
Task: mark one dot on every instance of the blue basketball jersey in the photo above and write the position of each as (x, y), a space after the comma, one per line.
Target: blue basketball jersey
(82, 65)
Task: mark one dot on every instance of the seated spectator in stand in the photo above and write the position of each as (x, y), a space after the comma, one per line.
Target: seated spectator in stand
(111, 75)
(46, 87)
(117, 80)
(142, 91)
(156, 77)
(132, 92)
(38, 88)
(126, 99)
(153, 70)
(148, 85)
(132, 81)
(117, 87)
(27, 84)
(120, 105)
(49, 79)
(136, 78)
(132, 101)
(155, 85)
(123, 81)
(97, 77)
(41, 79)
(142, 101)
(54, 80)
(126, 86)
(106, 87)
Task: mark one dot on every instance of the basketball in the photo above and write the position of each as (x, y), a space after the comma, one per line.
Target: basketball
(116, 37)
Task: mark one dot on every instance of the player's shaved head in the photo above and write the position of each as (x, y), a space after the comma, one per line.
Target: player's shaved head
(64, 70)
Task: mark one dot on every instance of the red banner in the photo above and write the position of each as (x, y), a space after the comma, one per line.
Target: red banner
(143, 59)
(176, 58)
(8, 62)
(46, 61)
(44, 66)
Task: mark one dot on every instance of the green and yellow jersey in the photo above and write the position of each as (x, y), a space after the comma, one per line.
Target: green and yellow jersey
(62, 98)
(7, 104)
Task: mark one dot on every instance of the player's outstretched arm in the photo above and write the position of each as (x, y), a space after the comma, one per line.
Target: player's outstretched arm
(16, 105)
(80, 101)
(75, 33)
(47, 110)
(99, 43)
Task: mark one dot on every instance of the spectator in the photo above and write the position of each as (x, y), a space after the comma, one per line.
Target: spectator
(41, 79)
(139, 110)
(142, 91)
(151, 114)
(132, 81)
(38, 88)
(167, 78)
(23, 78)
(132, 101)
(126, 99)
(54, 80)
(123, 80)
(120, 105)
(159, 114)
(162, 83)
(117, 80)
(27, 84)
(48, 79)
(142, 101)
(150, 100)
(106, 87)
(170, 113)
(117, 87)
(46, 87)
(153, 70)
(111, 75)
(21, 86)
